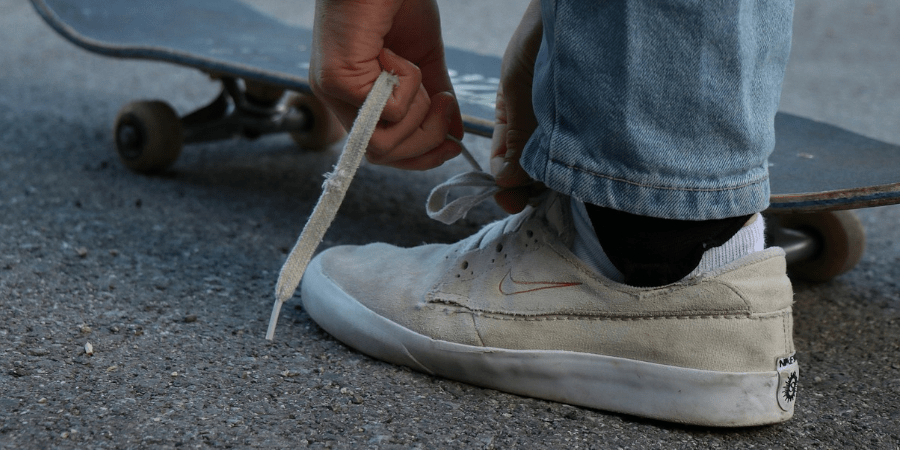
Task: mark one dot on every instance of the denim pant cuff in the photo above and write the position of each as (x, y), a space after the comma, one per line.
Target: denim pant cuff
(654, 201)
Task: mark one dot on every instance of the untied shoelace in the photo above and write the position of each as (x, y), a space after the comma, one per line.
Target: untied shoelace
(338, 181)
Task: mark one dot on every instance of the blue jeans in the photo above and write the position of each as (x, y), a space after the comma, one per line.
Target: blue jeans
(660, 108)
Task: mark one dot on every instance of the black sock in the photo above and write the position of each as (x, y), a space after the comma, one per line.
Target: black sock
(653, 252)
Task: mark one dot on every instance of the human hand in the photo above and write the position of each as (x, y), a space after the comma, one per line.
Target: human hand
(515, 115)
(353, 42)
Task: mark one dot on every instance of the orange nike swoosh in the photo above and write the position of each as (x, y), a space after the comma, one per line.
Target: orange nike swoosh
(509, 286)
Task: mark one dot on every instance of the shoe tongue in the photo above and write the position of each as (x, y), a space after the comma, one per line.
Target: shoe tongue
(556, 212)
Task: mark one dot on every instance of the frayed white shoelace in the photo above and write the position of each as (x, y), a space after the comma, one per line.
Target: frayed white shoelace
(337, 182)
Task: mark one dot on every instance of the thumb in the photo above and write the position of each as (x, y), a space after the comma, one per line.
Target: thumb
(511, 134)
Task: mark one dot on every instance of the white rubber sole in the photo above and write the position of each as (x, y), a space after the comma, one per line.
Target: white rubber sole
(656, 391)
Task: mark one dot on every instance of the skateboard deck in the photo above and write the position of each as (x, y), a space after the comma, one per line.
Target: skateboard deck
(229, 37)
(815, 166)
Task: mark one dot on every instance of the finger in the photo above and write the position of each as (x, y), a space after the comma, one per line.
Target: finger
(393, 143)
(407, 92)
(436, 79)
(498, 148)
(456, 123)
(510, 173)
(434, 158)
(514, 200)
(351, 87)
(389, 136)
(501, 125)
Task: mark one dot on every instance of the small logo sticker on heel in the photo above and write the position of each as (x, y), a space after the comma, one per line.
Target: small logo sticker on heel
(788, 377)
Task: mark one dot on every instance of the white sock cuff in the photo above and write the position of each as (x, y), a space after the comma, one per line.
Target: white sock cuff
(748, 239)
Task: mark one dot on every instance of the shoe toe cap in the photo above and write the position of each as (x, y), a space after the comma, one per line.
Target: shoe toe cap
(393, 283)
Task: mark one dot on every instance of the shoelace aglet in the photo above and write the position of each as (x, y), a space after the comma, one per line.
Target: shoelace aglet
(333, 192)
(273, 320)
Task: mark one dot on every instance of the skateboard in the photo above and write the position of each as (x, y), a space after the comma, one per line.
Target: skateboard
(818, 172)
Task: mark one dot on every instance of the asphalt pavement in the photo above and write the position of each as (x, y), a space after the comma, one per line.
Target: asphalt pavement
(170, 278)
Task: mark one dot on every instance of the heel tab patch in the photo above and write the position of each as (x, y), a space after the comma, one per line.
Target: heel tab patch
(788, 379)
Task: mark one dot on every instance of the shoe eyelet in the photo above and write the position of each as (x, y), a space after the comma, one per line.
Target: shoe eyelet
(529, 233)
(465, 265)
(499, 248)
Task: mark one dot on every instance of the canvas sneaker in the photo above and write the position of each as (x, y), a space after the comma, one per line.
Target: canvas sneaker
(511, 308)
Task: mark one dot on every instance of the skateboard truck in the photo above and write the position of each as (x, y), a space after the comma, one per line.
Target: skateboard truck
(818, 246)
(234, 112)
(797, 245)
(149, 135)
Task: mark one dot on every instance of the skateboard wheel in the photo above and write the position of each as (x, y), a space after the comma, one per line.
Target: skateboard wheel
(324, 128)
(148, 136)
(842, 240)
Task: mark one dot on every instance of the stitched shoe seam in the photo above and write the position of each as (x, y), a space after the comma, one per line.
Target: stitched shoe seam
(625, 318)
(616, 319)
(788, 334)
(784, 331)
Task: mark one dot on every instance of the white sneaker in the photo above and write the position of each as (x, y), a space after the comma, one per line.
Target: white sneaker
(511, 308)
